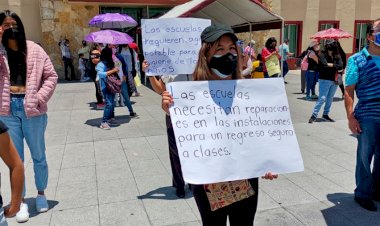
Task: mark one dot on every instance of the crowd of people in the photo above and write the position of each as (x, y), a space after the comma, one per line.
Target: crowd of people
(113, 69)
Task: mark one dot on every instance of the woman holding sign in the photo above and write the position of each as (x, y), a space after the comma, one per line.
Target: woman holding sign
(218, 60)
(271, 58)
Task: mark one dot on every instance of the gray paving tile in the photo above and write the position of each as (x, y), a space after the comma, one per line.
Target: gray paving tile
(317, 186)
(148, 168)
(109, 152)
(279, 190)
(77, 175)
(78, 154)
(266, 202)
(113, 172)
(277, 216)
(138, 149)
(117, 190)
(84, 216)
(125, 213)
(76, 195)
(318, 214)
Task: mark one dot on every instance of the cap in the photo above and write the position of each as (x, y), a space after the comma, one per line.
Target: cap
(313, 43)
(214, 32)
(252, 42)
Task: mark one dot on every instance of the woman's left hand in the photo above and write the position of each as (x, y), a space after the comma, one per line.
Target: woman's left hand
(167, 100)
(270, 176)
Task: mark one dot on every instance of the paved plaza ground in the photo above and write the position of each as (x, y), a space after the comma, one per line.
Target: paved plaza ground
(123, 177)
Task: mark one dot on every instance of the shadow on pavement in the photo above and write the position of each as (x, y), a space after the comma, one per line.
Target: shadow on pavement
(119, 119)
(32, 206)
(165, 193)
(346, 212)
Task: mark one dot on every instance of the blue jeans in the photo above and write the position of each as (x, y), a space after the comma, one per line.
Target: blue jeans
(285, 68)
(109, 108)
(327, 91)
(311, 81)
(33, 130)
(368, 182)
(3, 221)
(124, 93)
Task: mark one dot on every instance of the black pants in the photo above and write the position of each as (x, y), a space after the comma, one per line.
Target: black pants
(175, 163)
(240, 213)
(98, 93)
(67, 62)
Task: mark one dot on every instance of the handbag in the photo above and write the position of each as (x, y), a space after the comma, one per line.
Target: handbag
(224, 194)
(113, 83)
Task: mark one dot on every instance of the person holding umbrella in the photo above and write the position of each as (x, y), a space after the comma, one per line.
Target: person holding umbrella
(329, 63)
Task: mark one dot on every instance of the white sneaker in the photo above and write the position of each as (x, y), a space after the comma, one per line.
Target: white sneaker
(23, 213)
(41, 204)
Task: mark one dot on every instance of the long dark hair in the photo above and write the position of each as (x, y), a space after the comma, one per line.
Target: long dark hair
(20, 27)
(269, 42)
(106, 58)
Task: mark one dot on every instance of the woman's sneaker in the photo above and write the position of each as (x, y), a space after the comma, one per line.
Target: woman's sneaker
(105, 126)
(41, 204)
(23, 214)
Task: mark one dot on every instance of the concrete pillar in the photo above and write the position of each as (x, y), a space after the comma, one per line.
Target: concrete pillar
(345, 14)
(310, 23)
(15, 6)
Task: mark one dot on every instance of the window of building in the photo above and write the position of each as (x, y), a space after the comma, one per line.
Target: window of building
(293, 32)
(360, 36)
(324, 25)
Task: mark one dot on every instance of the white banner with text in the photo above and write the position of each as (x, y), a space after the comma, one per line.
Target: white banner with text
(171, 45)
(231, 130)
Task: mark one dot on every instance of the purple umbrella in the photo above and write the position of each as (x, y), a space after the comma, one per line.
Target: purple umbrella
(109, 37)
(112, 20)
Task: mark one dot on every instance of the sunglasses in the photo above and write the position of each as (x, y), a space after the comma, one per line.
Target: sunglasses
(94, 56)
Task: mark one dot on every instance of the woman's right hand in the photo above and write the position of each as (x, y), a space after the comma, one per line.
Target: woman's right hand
(167, 101)
(145, 65)
(115, 70)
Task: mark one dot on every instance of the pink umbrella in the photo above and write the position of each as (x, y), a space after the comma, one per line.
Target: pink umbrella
(112, 20)
(331, 33)
(109, 37)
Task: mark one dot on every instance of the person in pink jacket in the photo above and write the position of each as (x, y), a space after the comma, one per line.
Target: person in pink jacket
(27, 82)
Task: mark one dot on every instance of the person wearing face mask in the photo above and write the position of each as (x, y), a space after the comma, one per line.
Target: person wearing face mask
(95, 58)
(268, 51)
(26, 87)
(363, 78)
(312, 72)
(218, 60)
(329, 65)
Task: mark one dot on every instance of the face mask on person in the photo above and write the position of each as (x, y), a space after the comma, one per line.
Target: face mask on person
(377, 39)
(12, 33)
(223, 65)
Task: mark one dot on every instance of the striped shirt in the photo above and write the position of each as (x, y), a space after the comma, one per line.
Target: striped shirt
(363, 71)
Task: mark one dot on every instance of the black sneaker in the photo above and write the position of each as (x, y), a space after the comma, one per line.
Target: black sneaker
(180, 193)
(366, 203)
(133, 114)
(328, 118)
(312, 119)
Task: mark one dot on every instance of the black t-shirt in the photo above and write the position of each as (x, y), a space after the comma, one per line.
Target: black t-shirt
(3, 127)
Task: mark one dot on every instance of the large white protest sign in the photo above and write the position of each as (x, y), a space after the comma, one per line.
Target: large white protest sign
(236, 129)
(171, 45)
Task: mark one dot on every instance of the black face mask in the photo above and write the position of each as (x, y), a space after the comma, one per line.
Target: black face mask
(224, 65)
(11, 33)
